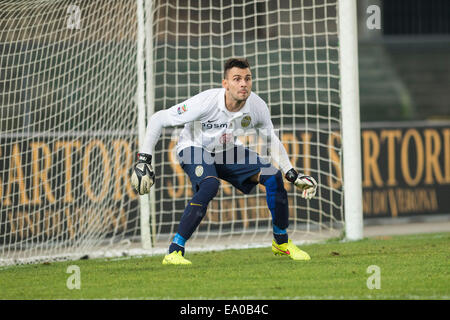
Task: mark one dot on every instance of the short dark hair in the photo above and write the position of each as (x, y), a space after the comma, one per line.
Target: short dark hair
(241, 63)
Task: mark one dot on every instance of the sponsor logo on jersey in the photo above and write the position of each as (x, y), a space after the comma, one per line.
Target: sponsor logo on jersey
(210, 125)
(182, 109)
(245, 122)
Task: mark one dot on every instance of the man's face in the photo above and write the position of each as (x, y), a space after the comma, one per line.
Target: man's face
(238, 83)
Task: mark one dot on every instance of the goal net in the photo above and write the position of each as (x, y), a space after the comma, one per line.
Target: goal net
(292, 47)
(75, 75)
(68, 128)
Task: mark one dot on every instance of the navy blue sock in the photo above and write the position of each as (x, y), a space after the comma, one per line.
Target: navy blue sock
(177, 244)
(277, 201)
(280, 235)
(196, 210)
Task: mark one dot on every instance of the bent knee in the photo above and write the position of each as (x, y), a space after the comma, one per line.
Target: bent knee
(274, 181)
(211, 185)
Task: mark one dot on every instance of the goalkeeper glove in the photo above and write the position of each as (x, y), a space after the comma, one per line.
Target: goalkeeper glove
(306, 184)
(143, 175)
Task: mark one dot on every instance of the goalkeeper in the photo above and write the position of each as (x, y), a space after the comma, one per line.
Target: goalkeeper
(208, 150)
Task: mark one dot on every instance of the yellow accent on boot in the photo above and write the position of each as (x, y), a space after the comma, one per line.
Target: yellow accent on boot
(289, 249)
(176, 258)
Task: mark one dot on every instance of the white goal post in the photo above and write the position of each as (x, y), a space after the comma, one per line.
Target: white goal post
(351, 128)
(80, 79)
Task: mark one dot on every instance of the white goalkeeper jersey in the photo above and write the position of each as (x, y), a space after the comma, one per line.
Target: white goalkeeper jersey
(208, 124)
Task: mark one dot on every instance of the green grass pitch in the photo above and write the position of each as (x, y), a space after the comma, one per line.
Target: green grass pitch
(411, 267)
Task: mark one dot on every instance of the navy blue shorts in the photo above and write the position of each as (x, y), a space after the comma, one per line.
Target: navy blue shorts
(235, 166)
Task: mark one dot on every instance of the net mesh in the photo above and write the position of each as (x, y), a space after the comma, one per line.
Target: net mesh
(67, 122)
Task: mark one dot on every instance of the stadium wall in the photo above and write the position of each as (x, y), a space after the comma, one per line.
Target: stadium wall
(406, 173)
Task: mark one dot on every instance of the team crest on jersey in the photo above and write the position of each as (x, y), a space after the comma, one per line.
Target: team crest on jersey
(182, 109)
(245, 122)
(199, 171)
